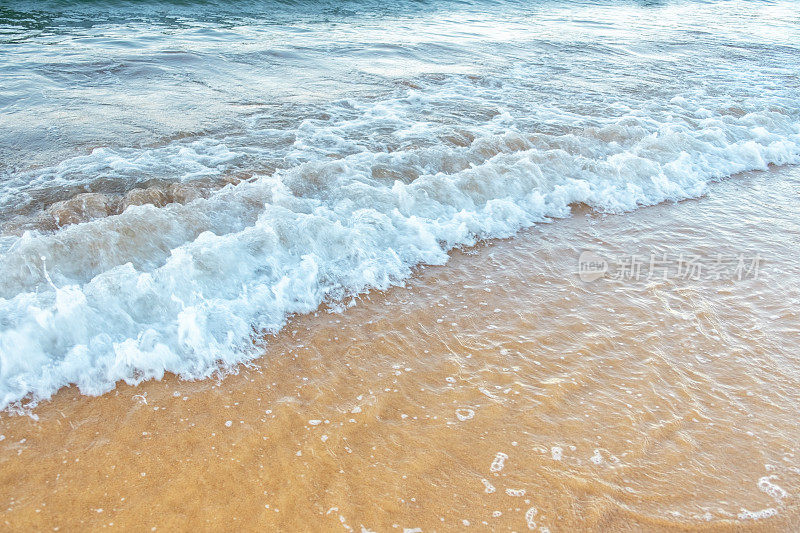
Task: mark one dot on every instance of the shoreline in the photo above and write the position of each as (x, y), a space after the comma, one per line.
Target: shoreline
(224, 454)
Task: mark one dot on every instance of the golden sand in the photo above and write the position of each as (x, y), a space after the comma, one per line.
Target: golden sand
(499, 392)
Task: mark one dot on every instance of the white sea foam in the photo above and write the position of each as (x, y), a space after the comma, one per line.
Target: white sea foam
(192, 289)
(498, 463)
(464, 414)
(766, 486)
(596, 457)
(744, 514)
(530, 517)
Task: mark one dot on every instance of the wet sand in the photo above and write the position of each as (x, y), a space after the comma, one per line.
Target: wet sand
(499, 392)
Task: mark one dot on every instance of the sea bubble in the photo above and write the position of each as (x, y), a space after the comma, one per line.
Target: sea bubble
(499, 462)
(464, 414)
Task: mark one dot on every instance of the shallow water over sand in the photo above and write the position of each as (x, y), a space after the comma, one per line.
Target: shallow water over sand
(499, 391)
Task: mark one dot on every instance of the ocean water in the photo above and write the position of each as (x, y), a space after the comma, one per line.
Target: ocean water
(178, 178)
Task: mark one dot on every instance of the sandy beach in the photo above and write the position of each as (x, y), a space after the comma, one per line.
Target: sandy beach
(498, 392)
